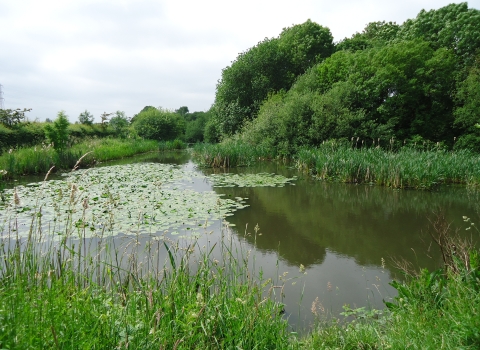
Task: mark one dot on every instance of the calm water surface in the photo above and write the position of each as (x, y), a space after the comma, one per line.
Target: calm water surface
(344, 235)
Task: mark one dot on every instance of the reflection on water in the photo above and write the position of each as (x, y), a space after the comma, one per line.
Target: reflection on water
(344, 235)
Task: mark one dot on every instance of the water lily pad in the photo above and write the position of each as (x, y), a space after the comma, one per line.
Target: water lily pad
(142, 198)
(250, 180)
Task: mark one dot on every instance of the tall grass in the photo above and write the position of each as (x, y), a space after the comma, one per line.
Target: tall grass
(172, 145)
(60, 290)
(230, 153)
(38, 160)
(405, 168)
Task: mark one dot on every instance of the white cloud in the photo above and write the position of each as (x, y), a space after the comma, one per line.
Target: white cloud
(122, 55)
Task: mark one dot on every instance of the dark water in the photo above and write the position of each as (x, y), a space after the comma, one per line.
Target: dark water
(345, 236)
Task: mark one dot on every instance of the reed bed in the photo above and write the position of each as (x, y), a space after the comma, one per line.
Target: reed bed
(61, 290)
(38, 160)
(172, 145)
(231, 153)
(405, 168)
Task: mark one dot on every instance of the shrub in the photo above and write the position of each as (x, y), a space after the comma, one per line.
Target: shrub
(159, 124)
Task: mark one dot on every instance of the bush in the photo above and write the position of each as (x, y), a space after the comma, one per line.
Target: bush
(159, 124)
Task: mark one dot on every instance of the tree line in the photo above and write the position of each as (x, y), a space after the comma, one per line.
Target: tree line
(150, 123)
(416, 81)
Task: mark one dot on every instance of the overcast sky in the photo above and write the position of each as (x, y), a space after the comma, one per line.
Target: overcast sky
(108, 55)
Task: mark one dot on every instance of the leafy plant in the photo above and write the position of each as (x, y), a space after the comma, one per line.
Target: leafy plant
(58, 133)
(11, 117)
(86, 118)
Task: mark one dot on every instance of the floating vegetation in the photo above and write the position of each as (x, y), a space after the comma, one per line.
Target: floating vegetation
(142, 198)
(250, 180)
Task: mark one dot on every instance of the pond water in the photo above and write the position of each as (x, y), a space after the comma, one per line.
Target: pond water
(335, 242)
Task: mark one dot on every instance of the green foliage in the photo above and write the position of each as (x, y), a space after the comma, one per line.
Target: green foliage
(399, 90)
(374, 34)
(39, 159)
(159, 124)
(408, 167)
(230, 153)
(195, 126)
(144, 109)
(418, 78)
(72, 295)
(454, 27)
(182, 111)
(58, 133)
(467, 114)
(79, 132)
(119, 123)
(21, 134)
(172, 145)
(86, 118)
(270, 66)
(212, 133)
(10, 117)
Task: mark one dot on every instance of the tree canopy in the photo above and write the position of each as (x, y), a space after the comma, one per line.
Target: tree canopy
(86, 118)
(270, 66)
(416, 80)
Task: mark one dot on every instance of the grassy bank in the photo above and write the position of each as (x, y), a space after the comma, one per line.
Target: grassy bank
(230, 154)
(60, 289)
(68, 296)
(406, 167)
(39, 159)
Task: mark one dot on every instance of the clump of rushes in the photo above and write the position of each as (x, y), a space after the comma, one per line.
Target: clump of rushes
(62, 290)
(39, 159)
(171, 145)
(230, 153)
(405, 168)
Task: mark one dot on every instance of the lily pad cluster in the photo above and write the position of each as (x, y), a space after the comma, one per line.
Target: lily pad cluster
(129, 199)
(250, 180)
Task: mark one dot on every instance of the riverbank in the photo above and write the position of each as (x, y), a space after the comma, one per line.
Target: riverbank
(407, 167)
(79, 284)
(39, 159)
(70, 292)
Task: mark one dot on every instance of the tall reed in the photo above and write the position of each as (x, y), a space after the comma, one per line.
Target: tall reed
(60, 289)
(405, 168)
(231, 153)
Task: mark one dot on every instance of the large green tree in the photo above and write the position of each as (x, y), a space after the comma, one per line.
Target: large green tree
(455, 27)
(270, 66)
(402, 89)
